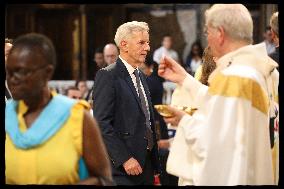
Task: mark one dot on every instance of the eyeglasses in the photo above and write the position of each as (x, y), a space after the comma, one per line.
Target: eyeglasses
(205, 31)
(76, 97)
(24, 73)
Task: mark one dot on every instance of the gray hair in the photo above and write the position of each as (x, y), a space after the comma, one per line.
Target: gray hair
(125, 30)
(274, 23)
(234, 18)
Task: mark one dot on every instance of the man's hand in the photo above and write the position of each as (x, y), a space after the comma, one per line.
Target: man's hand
(163, 144)
(171, 70)
(177, 115)
(132, 167)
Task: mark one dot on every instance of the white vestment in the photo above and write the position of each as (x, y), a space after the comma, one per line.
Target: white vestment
(226, 141)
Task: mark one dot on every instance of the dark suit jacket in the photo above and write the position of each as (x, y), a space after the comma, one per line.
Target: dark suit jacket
(119, 114)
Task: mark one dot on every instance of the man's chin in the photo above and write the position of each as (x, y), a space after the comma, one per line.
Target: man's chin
(18, 96)
(142, 60)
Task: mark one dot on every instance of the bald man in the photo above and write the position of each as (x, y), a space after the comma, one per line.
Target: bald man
(110, 53)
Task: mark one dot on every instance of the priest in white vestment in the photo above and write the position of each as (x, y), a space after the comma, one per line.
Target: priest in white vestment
(226, 141)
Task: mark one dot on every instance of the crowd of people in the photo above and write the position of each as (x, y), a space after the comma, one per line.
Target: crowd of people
(120, 139)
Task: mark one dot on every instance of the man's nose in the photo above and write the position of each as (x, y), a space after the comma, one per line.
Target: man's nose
(147, 48)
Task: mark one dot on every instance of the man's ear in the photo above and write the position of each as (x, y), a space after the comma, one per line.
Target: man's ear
(273, 35)
(221, 35)
(124, 46)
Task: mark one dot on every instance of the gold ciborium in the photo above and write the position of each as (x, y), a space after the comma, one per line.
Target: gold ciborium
(164, 111)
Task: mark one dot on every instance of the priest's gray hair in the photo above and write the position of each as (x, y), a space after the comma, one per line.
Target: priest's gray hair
(274, 23)
(235, 19)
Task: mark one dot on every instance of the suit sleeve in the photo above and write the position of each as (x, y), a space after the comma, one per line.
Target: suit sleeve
(104, 112)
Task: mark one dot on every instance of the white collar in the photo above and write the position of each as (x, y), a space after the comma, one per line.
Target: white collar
(129, 68)
(250, 55)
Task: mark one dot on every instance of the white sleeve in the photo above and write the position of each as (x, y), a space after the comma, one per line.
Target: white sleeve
(179, 162)
(195, 89)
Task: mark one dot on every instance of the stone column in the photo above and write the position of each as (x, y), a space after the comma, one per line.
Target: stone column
(83, 70)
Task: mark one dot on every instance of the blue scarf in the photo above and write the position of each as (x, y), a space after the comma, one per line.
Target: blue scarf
(58, 109)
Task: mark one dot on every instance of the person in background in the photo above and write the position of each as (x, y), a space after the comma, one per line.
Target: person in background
(165, 49)
(47, 134)
(96, 63)
(110, 53)
(123, 108)
(155, 84)
(268, 39)
(100, 63)
(73, 92)
(274, 119)
(8, 46)
(99, 58)
(194, 59)
(81, 84)
(275, 36)
(226, 141)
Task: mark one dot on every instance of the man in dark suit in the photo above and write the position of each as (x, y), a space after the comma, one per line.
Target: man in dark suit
(122, 106)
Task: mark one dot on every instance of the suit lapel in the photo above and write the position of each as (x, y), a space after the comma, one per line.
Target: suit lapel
(129, 81)
(131, 85)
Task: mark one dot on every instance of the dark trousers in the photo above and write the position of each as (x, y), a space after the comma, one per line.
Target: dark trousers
(165, 178)
(145, 178)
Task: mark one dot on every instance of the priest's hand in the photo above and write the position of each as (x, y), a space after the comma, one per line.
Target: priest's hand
(171, 70)
(177, 115)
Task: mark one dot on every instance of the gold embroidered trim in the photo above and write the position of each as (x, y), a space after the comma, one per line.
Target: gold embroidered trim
(236, 86)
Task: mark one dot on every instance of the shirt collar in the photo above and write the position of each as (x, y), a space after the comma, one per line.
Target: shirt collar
(129, 68)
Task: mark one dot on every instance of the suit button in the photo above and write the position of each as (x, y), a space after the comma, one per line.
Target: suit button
(112, 161)
(145, 138)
